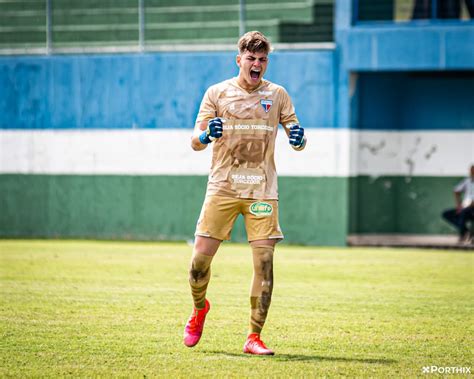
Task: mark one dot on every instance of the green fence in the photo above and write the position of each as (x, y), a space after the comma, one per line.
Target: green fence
(142, 24)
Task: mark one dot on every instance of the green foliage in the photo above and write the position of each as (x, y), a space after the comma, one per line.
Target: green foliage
(107, 309)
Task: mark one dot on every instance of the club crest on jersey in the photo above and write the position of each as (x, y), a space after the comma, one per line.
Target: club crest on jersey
(266, 104)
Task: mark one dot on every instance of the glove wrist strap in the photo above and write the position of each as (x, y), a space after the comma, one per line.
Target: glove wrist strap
(300, 146)
(204, 138)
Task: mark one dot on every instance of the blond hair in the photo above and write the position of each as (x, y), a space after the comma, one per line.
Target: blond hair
(254, 42)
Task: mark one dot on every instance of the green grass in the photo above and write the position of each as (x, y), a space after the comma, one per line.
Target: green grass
(89, 309)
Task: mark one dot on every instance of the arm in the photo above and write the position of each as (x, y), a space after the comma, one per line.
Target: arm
(211, 130)
(206, 128)
(458, 192)
(290, 123)
(458, 201)
(196, 144)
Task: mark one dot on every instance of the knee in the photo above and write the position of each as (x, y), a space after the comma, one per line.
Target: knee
(263, 254)
(199, 267)
(267, 262)
(263, 261)
(448, 214)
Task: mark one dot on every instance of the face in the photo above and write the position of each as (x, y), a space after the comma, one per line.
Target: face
(472, 171)
(252, 67)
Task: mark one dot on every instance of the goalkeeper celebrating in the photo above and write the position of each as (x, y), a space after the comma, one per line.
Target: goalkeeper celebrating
(240, 117)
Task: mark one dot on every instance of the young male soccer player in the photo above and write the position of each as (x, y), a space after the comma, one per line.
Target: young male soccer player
(240, 116)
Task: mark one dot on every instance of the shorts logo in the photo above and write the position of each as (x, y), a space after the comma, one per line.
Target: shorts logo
(261, 209)
(266, 104)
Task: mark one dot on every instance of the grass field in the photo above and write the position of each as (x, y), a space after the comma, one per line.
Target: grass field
(105, 309)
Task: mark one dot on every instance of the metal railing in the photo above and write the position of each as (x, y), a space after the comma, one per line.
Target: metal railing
(46, 26)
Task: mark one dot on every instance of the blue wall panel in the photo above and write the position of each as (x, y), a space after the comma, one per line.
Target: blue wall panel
(413, 46)
(354, 44)
(160, 90)
(309, 79)
(460, 48)
(408, 49)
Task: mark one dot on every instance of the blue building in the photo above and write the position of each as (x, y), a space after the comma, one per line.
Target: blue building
(406, 87)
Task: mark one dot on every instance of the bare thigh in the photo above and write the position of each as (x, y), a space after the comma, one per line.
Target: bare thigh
(269, 242)
(206, 245)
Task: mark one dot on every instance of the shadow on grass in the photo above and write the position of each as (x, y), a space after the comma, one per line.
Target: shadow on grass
(301, 357)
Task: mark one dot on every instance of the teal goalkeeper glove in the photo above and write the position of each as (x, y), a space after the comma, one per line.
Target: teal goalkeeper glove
(213, 131)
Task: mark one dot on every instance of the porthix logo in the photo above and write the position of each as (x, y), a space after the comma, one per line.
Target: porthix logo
(445, 370)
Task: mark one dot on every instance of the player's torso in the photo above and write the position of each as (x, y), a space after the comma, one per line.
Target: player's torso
(243, 159)
(469, 194)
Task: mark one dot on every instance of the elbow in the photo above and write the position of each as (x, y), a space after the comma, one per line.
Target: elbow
(196, 145)
(193, 143)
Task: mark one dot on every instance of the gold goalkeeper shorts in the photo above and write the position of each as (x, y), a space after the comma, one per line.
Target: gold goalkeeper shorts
(218, 215)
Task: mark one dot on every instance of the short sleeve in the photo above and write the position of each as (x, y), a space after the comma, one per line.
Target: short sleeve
(208, 108)
(462, 186)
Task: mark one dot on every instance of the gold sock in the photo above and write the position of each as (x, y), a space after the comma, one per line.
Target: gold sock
(199, 275)
(262, 286)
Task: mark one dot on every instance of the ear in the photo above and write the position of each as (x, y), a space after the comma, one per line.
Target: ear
(238, 58)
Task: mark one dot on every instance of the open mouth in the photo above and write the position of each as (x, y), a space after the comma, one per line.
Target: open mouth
(255, 74)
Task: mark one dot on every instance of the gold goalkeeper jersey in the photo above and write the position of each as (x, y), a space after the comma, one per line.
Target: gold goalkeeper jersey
(243, 164)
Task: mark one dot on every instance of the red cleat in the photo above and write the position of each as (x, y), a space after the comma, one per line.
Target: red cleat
(254, 345)
(195, 325)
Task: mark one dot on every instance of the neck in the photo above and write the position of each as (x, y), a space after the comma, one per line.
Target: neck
(243, 84)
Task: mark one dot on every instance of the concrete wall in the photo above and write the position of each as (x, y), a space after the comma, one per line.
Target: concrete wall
(97, 146)
(406, 87)
(151, 91)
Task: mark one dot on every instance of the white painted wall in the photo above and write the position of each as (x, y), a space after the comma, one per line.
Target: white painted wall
(329, 152)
